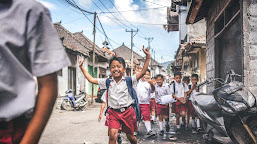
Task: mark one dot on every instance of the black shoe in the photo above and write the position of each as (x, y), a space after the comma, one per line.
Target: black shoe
(150, 134)
(167, 127)
(178, 131)
(161, 133)
(119, 140)
(152, 122)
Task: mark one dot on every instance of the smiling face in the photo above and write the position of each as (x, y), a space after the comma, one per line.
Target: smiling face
(146, 77)
(159, 81)
(117, 69)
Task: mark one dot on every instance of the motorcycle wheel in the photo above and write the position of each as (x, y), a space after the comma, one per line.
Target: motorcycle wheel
(241, 135)
(83, 102)
(66, 105)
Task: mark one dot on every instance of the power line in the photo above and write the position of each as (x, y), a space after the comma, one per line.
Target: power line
(75, 6)
(112, 14)
(104, 31)
(155, 3)
(136, 10)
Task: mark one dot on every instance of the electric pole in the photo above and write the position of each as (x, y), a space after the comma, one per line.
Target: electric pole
(149, 39)
(132, 47)
(93, 71)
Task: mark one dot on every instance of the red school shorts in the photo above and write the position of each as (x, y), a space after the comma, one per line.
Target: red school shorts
(179, 107)
(162, 109)
(126, 120)
(145, 111)
(152, 104)
(190, 108)
(12, 132)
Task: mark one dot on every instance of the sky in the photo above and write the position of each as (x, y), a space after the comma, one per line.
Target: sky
(149, 22)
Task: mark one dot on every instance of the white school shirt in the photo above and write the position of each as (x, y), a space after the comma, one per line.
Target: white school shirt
(194, 92)
(161, 91)
(103, 98)
(118, 94)
(143, 90)
(180, 89)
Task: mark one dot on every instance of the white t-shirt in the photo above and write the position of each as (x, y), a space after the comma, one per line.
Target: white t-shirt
(180, 89)
(194, 92)
(143, 90)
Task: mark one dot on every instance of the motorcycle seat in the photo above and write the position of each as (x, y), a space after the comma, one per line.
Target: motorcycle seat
(207, 102)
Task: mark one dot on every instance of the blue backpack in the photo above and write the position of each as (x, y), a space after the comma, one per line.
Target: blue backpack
(132, 93)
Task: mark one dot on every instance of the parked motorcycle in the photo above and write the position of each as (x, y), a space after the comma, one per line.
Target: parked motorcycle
(71, 102)
(239, 110)
(229, 115)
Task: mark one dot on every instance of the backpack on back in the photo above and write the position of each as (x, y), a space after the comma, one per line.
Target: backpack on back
(132, 93)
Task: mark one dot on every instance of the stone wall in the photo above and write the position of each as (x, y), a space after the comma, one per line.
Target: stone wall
(250, 43)
(210, 41)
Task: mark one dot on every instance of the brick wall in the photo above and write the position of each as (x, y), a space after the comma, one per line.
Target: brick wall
(250, 43)
(210, 47)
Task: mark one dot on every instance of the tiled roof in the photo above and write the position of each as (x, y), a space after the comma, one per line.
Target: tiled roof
(70, 41)
(125, 52)
(199, 40)
(108, 51)
(89, 44)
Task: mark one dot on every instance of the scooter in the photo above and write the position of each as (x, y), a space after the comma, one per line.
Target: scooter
(211, 116)
(71, 102)
(239, 110)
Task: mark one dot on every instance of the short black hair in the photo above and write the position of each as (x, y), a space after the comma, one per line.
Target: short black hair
(148, 70)
(177, 73)
(195, 75)
(119, 59)
(186, 79)
(159, 75)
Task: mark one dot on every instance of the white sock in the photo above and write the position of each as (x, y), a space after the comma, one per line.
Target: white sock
(193, 123)
(153, 118)
(147, 125)
(137, 123)
(160, 124)
(198, 123)
(178, 126)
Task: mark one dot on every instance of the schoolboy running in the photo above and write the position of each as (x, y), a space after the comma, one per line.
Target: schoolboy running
(121, 113)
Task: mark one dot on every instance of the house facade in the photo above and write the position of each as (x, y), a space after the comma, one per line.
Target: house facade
(190, 58)
(71, 77)
(231, 38)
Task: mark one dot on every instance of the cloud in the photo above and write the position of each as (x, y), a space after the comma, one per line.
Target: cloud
(49, 5)
(84, 3)
(151, 16)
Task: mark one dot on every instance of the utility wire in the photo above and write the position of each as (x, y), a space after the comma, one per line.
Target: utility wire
(136, 10)
(75, 6)
(104, 31)
(155, 3)
(110, 13)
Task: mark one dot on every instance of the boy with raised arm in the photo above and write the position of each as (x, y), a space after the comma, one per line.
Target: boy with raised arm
(119, 99)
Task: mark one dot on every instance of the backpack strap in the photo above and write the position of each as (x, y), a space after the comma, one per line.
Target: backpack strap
(107, 82)
(133, 95)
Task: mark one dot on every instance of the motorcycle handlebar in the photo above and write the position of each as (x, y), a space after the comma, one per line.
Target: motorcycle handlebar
(203, 83)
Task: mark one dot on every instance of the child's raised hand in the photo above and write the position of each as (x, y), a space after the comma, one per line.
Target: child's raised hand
(146, 51)
(81, 60)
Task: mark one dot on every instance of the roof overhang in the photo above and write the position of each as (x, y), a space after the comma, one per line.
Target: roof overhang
(198, 10)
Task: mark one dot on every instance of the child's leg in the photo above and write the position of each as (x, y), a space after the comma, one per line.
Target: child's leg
(132, 138)
(160, 121)
(188, 118)
(113, 136)
(183, 113)
(177, 120)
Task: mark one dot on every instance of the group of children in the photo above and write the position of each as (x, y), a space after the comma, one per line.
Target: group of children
(121, 108)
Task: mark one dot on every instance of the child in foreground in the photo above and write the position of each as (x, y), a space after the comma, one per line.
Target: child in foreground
(121, 113)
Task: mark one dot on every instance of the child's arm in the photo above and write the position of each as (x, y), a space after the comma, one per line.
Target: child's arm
(145, 67)
(152, 85)
(47, 93)
(86, 74)
(101, 111)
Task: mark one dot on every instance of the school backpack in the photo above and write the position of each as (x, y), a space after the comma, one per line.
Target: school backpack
(132, 93)
(174, 87)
